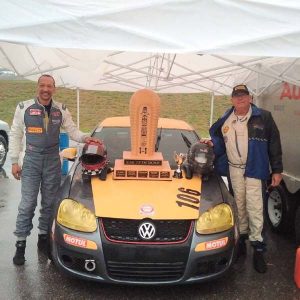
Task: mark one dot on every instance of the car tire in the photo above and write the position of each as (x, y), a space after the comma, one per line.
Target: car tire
(3, 150)
(297, 227)
(280, 209)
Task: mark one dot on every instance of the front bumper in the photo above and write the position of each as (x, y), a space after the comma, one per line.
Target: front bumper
(143, 264)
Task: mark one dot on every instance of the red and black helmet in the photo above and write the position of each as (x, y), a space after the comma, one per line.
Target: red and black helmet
(93, 158)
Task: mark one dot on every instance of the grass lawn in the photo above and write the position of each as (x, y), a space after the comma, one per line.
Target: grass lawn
(97, 105)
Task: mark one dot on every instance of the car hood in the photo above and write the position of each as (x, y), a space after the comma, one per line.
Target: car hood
(138, 199)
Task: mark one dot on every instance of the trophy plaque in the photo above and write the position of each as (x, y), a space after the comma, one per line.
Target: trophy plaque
(142, 162)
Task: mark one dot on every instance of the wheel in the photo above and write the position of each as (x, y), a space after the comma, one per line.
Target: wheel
(280, 209)
(3, 150)
(297, 227)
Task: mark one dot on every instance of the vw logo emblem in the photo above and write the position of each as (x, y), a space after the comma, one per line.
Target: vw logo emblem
(146, 230)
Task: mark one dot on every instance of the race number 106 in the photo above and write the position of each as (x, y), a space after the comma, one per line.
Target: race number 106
(190, 198)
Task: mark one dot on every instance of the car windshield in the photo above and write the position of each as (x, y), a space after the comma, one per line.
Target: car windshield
(117, 140)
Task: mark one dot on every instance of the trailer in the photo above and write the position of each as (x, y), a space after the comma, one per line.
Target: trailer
(283, 202)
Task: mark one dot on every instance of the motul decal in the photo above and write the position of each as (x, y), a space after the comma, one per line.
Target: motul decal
(35, 112)
(35, 130)
(75, 241)
(79, 242)
(212, 245)
(290, 92)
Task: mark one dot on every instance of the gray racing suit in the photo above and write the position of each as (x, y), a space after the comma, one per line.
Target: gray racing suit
(41, 169)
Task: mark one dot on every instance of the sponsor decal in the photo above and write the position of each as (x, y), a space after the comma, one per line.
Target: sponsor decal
(79, 242)
(225, 129)
(35, 112)
(212, 245)
(290, 92)
(35, 130)
(147, 209)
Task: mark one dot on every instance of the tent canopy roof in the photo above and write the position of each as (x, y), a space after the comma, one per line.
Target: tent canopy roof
(165, 45)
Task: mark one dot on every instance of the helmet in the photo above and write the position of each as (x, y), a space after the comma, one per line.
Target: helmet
(93, 158)
(200, 158)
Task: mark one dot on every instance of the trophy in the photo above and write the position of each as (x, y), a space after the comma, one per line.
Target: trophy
(179, 159)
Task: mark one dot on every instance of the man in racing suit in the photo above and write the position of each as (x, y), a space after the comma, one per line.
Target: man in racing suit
(38, 120)
(246, 144)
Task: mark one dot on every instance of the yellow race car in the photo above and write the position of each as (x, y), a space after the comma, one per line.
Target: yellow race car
(140, 231)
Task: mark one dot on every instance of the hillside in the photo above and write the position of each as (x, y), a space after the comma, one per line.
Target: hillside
(97, 105)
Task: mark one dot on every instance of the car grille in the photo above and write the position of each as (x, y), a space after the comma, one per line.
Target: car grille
(131, 271)
(167, 231)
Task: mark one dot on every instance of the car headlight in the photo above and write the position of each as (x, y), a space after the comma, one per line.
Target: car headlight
(74, 215)
(216, 219)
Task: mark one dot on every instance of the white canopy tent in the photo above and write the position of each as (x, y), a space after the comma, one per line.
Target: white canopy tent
(166, 45)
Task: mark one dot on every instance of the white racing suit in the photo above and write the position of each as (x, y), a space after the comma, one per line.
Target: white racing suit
(247, 191)
(41, 169)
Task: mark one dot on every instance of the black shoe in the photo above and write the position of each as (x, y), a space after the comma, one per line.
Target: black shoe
(259, 262)
(19, 258)
(42, 242)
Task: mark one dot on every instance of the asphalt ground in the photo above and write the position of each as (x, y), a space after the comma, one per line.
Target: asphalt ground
(39, 278)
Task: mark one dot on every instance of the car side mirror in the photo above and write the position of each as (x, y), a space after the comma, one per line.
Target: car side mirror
(69, 154)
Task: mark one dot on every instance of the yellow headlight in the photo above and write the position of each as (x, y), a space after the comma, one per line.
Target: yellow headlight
(217, 219)
(74, 215)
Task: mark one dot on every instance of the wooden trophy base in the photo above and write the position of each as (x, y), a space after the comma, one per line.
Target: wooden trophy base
(142, 168)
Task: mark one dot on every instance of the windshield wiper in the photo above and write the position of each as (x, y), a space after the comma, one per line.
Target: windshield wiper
(186, 140)
(158, 140)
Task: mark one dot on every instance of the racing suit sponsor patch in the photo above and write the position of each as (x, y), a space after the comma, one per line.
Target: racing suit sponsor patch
(55, 121)
(56, 114)
(258, 126)
(35, 130)
(212, 245)
(225, 129)
(35, 112)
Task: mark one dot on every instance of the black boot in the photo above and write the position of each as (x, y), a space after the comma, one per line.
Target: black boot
(258, 261)
(19, 258)
(242, 246)
(42, 242)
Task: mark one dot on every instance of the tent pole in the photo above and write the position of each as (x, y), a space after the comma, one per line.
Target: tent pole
(257, 86)
(212, 103)
(78, 99)
(267, 74)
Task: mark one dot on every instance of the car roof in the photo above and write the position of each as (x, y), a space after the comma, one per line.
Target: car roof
(162, 122)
